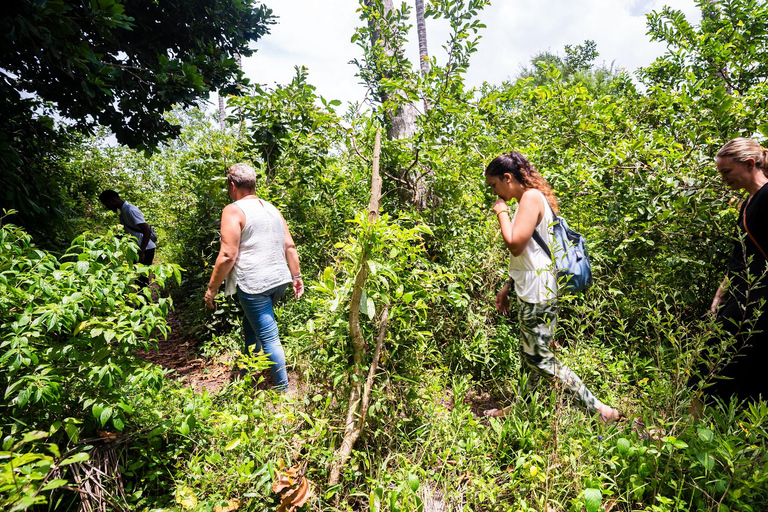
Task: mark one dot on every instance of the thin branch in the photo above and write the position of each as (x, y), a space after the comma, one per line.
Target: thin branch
(374, 366)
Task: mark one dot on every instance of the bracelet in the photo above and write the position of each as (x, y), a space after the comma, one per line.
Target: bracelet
(297, 276)
(502, 211)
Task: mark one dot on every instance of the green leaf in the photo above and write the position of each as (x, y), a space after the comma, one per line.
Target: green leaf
(83, 267)
(413, 482)
(623, 446)
(232, 444)
(78, 457)
(72, 432)
(186, 498)
(54, 484)
(593, 498)
(706, 460)
(705, 434)
(105, 415)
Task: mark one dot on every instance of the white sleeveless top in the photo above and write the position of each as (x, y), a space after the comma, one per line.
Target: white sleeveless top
(261, 263)
(532, 271)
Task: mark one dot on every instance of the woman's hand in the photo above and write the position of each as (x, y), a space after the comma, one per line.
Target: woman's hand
(719, 296)
(715, 304)
(500, 206)
(502, 299)
(209, 296)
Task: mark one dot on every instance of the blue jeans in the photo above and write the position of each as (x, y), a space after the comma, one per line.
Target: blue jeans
(260, 330)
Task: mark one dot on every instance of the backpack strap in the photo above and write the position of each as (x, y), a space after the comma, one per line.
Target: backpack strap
(754, 240)
(536, 236)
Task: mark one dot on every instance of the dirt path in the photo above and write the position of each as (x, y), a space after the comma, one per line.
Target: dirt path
(179, 354)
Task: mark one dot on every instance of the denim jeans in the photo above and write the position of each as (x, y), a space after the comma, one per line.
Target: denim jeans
(260, 330)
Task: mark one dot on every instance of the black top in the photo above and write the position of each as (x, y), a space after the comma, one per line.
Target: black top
(756, 216)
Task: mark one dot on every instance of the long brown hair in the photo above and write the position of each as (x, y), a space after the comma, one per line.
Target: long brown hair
(523, 172)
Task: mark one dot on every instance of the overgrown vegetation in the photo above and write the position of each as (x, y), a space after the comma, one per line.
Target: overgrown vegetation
(633, 171)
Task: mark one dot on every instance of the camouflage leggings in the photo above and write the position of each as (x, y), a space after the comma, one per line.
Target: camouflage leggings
(537, 325)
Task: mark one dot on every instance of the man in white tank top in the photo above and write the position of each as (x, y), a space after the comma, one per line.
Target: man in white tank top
(259, 259)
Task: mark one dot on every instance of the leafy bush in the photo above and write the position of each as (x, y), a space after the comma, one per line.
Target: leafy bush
(70, 330)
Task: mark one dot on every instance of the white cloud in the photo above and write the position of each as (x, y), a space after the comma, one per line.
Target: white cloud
(317, 35)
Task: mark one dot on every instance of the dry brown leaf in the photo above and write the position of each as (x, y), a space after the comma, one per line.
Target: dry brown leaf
(608, 506)
(296, 498)
(232, 505)
(107, 437)
(283, 482)
(285, 479)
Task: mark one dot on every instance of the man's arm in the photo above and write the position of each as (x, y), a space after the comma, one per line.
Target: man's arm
(292, 257)
(146, 234)
(232, 223)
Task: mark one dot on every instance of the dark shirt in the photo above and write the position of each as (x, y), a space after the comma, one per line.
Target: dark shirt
(755, 212)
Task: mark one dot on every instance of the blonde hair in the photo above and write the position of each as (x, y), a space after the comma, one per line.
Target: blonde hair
(742, 149)
(242, 176)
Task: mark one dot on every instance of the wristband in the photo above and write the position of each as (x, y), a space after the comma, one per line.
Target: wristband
(297, 276)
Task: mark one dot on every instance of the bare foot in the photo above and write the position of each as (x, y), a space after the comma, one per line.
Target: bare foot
(609, 415)
(495, 413)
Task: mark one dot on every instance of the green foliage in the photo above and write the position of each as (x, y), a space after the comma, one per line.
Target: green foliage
(108, 63)
(715, 69)
(285, 125)
(399, 280)
(177, 52)
(633, 171)
(577, 66)
(28, 466)
(70, 328)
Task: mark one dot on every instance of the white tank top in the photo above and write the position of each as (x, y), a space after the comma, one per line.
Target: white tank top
(532, 271)
(261, 263)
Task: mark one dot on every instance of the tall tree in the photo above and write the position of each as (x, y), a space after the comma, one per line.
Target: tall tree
(386, 39)
(114, 63)
(123, 64)
(421, 29)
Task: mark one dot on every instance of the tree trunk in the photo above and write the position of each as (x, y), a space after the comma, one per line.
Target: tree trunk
(421, 28)
(359, 395)
(401, 121)
(222, 111)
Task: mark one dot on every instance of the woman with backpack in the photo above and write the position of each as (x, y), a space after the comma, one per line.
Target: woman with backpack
(511, 176)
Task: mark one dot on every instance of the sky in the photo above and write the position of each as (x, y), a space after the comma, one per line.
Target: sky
(316, 34)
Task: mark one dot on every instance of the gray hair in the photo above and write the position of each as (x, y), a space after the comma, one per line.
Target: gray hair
(243, 176)
(742, 149)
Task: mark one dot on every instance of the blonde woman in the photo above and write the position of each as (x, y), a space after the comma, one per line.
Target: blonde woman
(743, 164)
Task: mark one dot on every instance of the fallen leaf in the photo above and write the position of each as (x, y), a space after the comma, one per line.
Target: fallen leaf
(285, 479)
(107, 437)
(296, 498)
(232, 505)
(186, 498)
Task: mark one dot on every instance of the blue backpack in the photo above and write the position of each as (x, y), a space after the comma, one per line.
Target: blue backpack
(574, 272)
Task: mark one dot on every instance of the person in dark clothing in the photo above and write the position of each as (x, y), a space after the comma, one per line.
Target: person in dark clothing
(739, 302)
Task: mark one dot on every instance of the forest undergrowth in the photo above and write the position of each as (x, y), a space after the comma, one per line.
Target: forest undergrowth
(118, 397)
